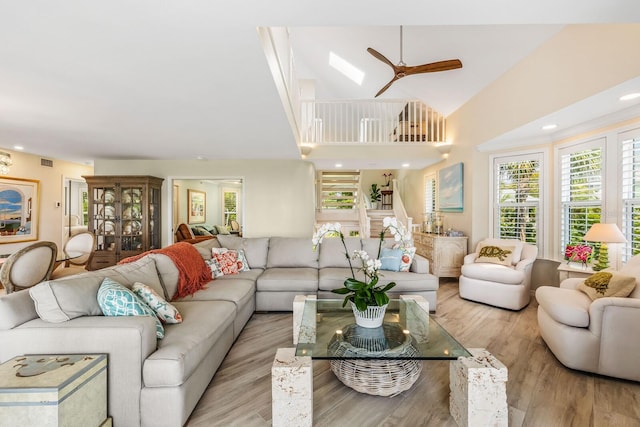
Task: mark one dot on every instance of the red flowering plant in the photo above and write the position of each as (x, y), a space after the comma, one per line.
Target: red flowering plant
(578, 253)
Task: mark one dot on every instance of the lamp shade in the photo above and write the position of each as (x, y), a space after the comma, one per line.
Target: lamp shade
(607, 233)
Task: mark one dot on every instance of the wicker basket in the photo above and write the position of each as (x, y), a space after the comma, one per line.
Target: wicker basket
(372, 317)
(381, 377)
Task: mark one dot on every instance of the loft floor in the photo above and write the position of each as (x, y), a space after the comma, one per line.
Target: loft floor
(540, 391)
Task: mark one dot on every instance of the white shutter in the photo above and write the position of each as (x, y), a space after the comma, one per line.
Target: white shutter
(630, 156)
(517, 203)
(580, 190)
(339, 189)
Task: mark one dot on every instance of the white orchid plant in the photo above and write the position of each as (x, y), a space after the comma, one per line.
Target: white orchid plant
(367, 293)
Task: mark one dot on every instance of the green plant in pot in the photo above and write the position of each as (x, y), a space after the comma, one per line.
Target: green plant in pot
(374, 193)
(363, 294)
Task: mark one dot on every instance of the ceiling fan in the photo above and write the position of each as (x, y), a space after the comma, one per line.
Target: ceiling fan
(401, 69)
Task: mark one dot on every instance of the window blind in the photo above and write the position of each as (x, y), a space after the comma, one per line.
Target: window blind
(630, 156)
(339, 189)
(517, 201)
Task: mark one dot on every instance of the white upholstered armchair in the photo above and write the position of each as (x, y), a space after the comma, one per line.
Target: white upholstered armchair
(599, 336)
(499, 273)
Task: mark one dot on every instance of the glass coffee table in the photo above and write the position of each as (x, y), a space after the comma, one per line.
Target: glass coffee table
(382, 361)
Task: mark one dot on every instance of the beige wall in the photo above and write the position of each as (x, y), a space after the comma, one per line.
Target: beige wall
(278, 194)
(27, 166)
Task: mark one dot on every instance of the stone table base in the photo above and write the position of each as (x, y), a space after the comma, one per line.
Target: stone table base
(478, 390)
(291, 389)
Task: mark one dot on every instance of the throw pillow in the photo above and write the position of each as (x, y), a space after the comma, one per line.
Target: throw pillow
(607, 284)
(243, 264)
(165, 311)
(496, 255)
(116, 300)
(228, 261)
(67, 298)
(407, 258)
(390, 259)
(222, 229)
(214, 265)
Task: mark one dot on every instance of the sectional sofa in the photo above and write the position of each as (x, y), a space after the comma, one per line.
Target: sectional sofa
(158, 382)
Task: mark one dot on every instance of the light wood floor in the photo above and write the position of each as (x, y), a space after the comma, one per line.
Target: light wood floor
(540, 391)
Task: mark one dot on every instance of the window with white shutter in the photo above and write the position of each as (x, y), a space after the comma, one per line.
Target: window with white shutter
(630, 156)
(516, 198)
(429, 194)
(581, 173)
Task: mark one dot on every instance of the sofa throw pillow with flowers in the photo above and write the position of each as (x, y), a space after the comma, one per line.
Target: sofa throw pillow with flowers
(165, 311)
(227, 260)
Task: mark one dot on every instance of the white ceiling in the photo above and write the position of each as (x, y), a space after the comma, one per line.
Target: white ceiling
(86, 79)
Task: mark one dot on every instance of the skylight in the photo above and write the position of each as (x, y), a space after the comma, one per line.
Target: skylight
(346, 68)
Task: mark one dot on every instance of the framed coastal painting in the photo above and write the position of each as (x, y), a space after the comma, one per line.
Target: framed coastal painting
(19, 208)
(197, 206)
(450, 182)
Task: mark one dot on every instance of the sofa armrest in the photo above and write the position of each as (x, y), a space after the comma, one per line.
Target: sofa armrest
(571, 283)
(419, 265)
(128, 341)
(470, 258)
(617, 315)
(525, 264)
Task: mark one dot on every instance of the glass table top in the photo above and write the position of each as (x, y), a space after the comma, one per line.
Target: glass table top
(329, 331)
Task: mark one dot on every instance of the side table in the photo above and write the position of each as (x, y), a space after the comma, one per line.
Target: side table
(67, 390)
(566, 271)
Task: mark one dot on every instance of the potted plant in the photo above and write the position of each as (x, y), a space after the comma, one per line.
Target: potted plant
(375, 195)
(368, 299)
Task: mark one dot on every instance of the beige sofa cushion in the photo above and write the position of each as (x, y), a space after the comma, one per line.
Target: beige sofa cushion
(255, 248)
(332, 251)
(74, 296)
(493, 273)
(303, 279)
(16, 309)
(567, 306)
(290, 252)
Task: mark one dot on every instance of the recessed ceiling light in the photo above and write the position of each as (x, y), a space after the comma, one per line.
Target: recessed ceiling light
(18, 147)
(201, 157)
(549, 126)
(630, 96)
(346, 68)
(405, 165)
(338, 165)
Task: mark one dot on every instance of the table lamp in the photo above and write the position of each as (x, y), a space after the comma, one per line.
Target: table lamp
(604, 233)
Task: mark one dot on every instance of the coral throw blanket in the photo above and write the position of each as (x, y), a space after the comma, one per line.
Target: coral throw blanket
(194, 273)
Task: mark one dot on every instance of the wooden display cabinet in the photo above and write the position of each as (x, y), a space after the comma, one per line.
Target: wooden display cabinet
(445, 254)
(124, 214)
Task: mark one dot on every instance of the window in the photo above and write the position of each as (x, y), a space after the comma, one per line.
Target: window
(429, 194)
(517, 201)
(580, 190)
(230, 207)
(630, 155)
(339, 189)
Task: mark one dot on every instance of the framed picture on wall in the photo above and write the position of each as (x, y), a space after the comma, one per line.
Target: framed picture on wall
(19, 208)
(450, 181)
(197, 206)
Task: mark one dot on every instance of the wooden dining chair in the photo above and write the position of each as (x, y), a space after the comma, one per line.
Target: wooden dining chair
(28, 266)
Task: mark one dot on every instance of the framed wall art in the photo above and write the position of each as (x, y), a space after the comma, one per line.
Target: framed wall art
(450, 182)
(197, 206)
(19, 208)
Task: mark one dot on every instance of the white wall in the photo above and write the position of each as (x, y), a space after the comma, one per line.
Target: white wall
(278, 194)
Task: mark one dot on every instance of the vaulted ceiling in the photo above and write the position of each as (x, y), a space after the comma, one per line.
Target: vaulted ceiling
(85, 80)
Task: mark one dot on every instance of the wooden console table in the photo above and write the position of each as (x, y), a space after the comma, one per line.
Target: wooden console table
(445, 254)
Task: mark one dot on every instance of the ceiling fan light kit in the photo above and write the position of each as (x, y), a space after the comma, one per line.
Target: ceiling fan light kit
(401, 69)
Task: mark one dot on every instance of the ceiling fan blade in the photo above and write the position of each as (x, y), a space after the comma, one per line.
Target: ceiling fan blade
(433, 67)
(387, 86)
(380, 56)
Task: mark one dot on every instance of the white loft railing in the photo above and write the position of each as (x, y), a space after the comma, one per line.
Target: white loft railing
(370, 121)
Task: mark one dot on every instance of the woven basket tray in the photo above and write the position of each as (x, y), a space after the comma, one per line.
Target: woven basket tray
(381, 377)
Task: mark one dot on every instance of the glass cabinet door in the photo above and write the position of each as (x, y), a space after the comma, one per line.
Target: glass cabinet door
(104, 217)
(133, 215)
(154, 219)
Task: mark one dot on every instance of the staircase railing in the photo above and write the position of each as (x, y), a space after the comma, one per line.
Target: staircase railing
(398, 208)
(365, 221)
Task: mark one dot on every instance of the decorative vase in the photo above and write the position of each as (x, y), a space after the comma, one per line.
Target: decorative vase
(372, 317)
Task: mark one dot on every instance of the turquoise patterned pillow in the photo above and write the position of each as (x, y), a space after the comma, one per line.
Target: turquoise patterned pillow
(166, 312)
(115, 299)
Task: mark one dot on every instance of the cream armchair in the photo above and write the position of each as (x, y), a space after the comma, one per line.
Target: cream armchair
(502, 285)
(599, 336)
